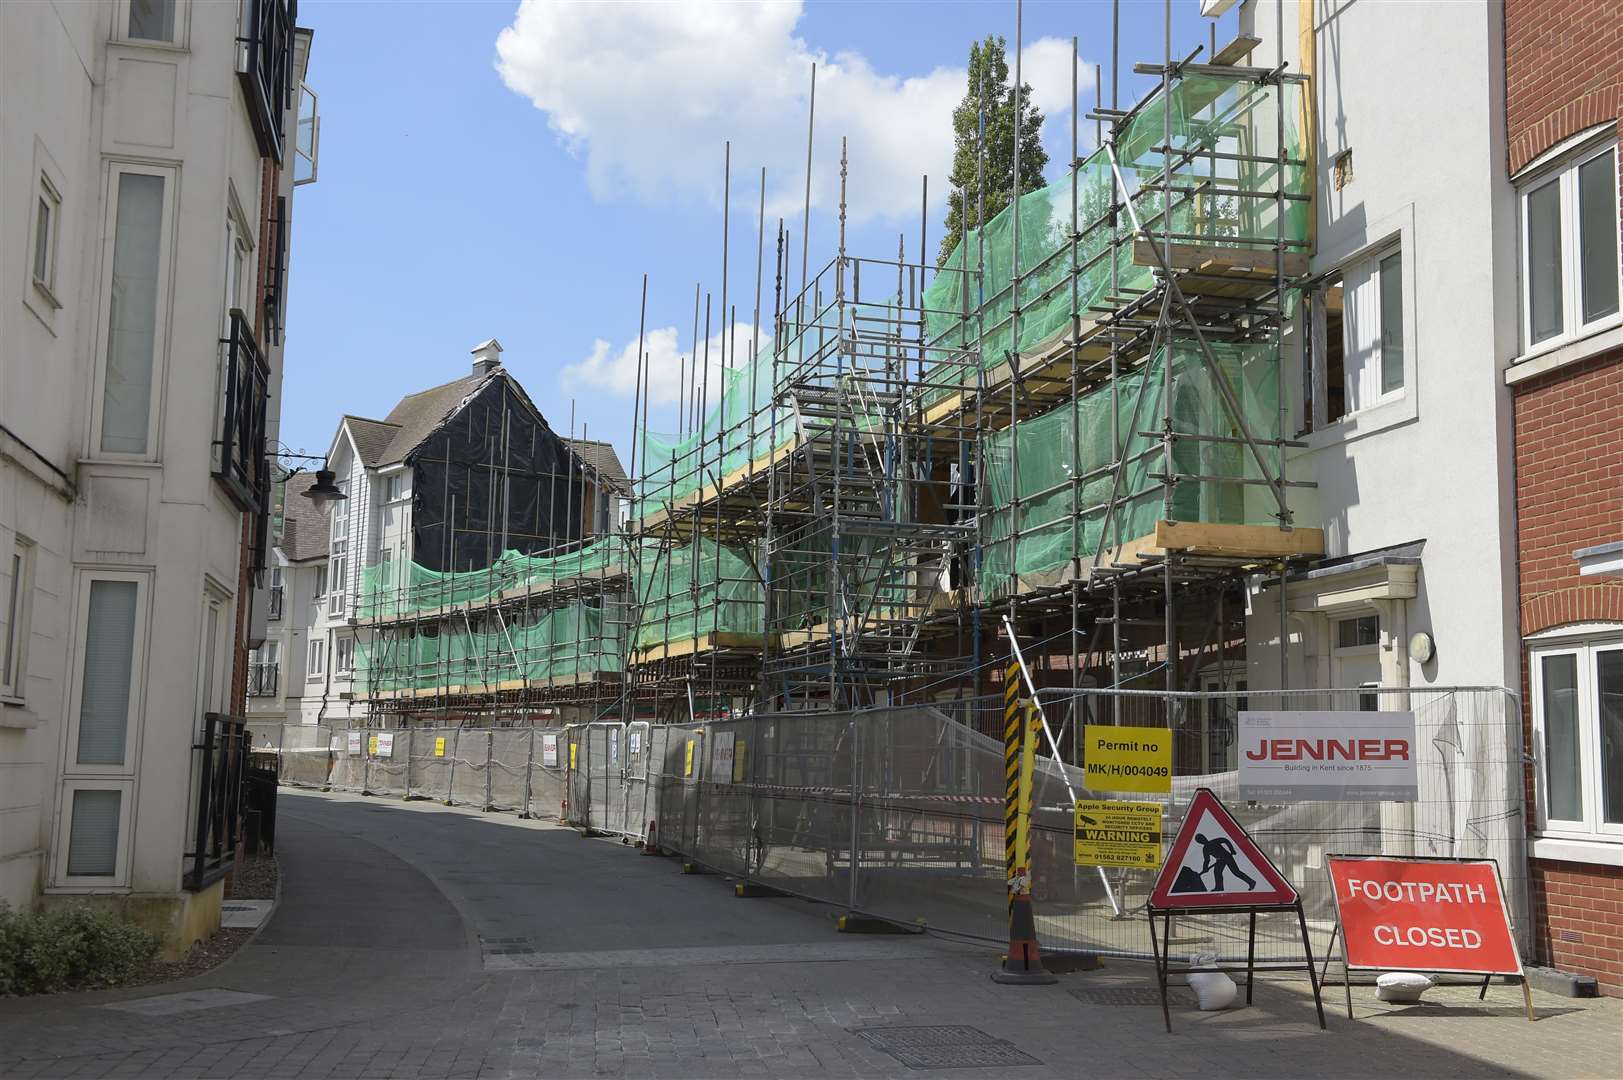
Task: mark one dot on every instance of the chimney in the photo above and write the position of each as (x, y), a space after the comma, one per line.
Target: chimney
(487, 357)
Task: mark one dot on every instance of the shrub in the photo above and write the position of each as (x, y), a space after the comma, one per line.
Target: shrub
(69, 948)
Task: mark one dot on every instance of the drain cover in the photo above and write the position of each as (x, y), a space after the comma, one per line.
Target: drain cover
(1126, 995)
(947, 1046)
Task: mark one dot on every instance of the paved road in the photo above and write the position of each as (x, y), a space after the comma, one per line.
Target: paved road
(414, 940)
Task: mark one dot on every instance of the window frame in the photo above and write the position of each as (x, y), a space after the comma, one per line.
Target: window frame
(338, 554)
(120, 879)
(49, 194)
(1562, 170)
(1591, 827)
(135, 709)
(340, 668)
(19, 608)
(121, 27)
(1367, 265)
(315, 658)
(170, 175)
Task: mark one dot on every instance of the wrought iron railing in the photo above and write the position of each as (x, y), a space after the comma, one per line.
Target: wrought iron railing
(223, 756)
(263, 679)
(265, 66)
(239, 450)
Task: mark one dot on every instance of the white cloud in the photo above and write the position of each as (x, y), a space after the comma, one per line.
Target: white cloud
(645, 94)
(615, 370)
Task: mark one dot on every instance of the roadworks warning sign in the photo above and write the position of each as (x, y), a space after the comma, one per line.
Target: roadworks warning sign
(1126, 834)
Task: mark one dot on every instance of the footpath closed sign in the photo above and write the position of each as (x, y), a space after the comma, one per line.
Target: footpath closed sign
(1125, 834)
(1127, 758)
(1328, 756)
(1443, 915)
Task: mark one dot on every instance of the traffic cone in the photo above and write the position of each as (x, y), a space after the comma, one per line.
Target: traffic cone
(1023, 966)
(650, 846)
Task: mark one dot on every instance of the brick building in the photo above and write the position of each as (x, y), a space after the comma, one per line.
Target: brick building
(1563, 110)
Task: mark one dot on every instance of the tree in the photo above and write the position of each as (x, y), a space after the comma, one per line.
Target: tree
(990, 93)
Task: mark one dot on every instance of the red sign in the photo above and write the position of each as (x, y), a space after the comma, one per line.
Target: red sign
(1423, 915)
(1215, 863)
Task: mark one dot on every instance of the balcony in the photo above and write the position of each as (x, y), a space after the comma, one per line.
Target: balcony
(263, 679)
(223, 754)
(239, 452)
(265, 67)
(274, 607)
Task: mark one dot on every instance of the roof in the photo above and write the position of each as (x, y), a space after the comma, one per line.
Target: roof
(372, 437)
(601, 459)
(304, 526)
(417, 415)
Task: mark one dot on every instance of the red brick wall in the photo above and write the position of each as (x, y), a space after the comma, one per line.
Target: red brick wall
(1576, 913)
(1563, 71)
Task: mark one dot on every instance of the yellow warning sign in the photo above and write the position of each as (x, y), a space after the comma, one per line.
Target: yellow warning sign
(439, 746)
(740, 752)
(372, 745)
(1127, 758)
(687, 759)
(1118, 833)
(572, 748)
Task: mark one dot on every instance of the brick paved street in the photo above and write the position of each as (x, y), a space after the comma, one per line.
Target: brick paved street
(414, 940)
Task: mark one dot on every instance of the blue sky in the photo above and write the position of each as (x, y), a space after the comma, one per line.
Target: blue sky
(450, 208)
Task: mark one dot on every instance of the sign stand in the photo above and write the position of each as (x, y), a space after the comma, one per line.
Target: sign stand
(1211, 842)
(1385, 861)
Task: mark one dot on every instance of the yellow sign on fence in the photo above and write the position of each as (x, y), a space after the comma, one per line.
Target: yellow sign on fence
(572, 748)
(1118, 834)
(687, 759)
(1127, 758)
(740, 756)
(439, 746)
(372, 745)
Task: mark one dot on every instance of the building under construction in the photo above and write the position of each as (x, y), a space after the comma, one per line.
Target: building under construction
(1073, 427)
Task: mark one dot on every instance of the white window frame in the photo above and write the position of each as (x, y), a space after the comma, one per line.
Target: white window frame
(1590, 827)
(160, 334)
(1367, 266)
(121, 27)
(49, 194)
(132, 730)
(18, 598)
(394, 487)
(343, 655)
(338, 554)
(239, 264)
(315, 659)
(1363, 702)
(1563, 170)
(62, 880)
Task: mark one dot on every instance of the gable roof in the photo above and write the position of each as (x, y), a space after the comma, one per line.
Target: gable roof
(416, 416)
(304, 527)
(600, 457)
(372, 438)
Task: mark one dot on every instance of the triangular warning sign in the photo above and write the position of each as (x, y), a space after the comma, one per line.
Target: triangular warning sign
(1215, 863)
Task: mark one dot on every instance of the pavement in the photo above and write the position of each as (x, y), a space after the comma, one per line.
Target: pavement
(418, 940)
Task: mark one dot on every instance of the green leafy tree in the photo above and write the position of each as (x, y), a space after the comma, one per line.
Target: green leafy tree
(990, 94)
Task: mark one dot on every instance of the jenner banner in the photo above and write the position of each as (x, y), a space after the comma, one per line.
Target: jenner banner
(1327, 756)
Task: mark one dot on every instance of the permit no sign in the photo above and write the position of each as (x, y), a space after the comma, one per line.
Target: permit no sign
(1127, 758)
(1125, 834)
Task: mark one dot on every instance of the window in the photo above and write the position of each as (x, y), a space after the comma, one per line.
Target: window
(1355, 659)
(152, 20)
(321, 581)
(316, 662)
(343, 655)
(47, 218)
(394, 487)
(18, 591)
(1354, 339)
(135, 301)
(238, 260)
(108, 671)
(307, 138)
(1570, 247)
(1578, 733)
(338, 560)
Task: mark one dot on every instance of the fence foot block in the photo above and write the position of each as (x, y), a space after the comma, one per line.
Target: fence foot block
(746, 889)
(867, 924)
(695, 868)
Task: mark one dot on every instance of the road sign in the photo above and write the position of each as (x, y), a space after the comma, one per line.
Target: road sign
(1442, 915)
(1126, 834)
(1127, 758)
(1214, 863)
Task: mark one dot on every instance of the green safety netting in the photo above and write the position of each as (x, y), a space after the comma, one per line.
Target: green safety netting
(400, 587)
(486, 652)
(805, 583)
(697, 587)
(1057, 516)
(1207, 113)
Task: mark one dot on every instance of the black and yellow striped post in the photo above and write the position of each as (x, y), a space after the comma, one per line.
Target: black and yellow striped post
(1021, 723)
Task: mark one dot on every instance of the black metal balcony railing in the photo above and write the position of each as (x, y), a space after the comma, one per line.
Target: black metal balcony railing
(223, 757)
(265, 66)
(263, 679)
(239, 452)
(276, 273)
(274, 607)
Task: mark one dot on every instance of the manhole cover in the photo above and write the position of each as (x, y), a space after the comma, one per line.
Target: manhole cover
(947, 1046)
(1127, 995)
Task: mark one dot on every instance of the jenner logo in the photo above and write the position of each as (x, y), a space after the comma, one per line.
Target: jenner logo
(1330, 750)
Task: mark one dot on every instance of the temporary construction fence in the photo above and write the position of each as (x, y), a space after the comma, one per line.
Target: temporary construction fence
(898, 812)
